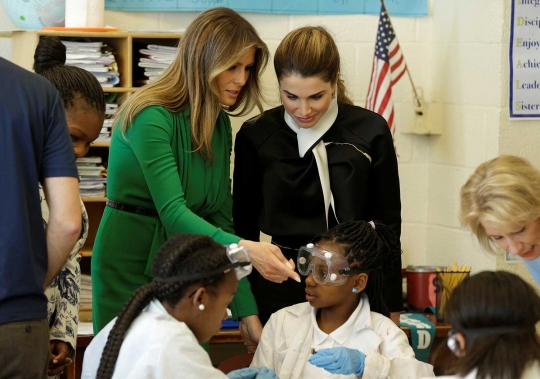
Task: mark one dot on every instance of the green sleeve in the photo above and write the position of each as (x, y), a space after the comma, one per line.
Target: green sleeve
(243, 303)
(150, 138)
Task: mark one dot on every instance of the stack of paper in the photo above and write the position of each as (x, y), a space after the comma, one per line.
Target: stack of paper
(156, 59)
(85, 297)
(94, 57)
(92, 182)
(106, 130)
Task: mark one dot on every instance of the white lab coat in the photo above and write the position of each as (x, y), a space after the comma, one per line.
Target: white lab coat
(531, 372)
(155, 346)
(292, 332)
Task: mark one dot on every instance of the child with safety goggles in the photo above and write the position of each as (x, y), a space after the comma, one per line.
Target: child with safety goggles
(158, 332)
(344, 329)
(493, 317)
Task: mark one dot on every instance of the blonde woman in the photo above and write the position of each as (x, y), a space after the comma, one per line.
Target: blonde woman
(169, 165)
(501, 204)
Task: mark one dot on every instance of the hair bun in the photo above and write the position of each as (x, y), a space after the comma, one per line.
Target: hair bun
(50, 52)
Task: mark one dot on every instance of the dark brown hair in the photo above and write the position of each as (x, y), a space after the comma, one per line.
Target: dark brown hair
(374, 250)
(72, 82)
(495, 300)
(184, 254)
(311, 51)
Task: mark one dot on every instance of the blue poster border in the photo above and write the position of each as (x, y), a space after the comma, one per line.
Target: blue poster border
(119, 5)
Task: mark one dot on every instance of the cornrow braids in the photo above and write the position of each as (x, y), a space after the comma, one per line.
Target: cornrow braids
(184, 254)
(73, 83)
(366, 248)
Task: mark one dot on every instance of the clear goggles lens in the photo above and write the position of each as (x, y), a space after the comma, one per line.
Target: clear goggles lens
(241, 262)
(327, 267)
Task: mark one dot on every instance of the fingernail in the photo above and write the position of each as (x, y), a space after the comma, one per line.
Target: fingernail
(289, 265)
(297, 279)
(55, 361)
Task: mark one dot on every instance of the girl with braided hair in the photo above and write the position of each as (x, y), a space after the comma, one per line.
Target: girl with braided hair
(158, 331)
(83, 100)
(343, 331)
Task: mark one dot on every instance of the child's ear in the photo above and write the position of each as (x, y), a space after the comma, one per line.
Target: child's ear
(200, 297)
(360, 282)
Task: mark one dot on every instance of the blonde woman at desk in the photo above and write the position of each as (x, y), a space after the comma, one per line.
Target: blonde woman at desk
(501, 204)
(493, 317)
(343, 331)
(158, 331)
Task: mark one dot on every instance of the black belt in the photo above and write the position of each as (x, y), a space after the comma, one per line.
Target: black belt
(132, 209)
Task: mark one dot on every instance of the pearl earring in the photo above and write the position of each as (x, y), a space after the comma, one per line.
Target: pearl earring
(201, 307)
(354, 290)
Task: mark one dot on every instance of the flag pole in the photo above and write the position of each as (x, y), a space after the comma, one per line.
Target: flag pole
(419, 111)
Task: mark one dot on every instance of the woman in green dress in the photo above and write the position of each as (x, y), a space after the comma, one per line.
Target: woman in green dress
(169, 165)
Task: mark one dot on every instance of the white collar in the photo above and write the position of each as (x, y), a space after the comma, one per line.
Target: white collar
(342, 334)
(307, 137)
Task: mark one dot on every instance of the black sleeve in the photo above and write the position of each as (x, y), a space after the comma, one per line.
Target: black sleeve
(247, 187)
(385, 204)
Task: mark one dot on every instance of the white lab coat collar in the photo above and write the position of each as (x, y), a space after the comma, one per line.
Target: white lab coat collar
(307, 139)
(342, 334)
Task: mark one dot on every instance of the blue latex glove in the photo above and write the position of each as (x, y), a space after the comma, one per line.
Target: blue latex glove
(265, 373)
(243, 373)
(339, 360)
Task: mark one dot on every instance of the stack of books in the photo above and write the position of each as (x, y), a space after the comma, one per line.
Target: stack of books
(155, 60)
(94, 57)
(92, 181)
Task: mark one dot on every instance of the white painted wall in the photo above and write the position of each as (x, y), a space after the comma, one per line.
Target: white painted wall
(457, 55)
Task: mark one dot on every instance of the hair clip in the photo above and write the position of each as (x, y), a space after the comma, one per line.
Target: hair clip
(372, 224)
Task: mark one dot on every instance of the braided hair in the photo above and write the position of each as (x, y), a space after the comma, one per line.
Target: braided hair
(374, 250)
(72, 82)
(184, 254)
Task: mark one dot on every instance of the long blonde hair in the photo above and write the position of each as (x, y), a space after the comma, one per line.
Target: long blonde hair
(215, 41)
(311, 51)
(505, 192)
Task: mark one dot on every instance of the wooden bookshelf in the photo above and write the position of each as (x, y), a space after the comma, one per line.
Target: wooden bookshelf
(126, 47)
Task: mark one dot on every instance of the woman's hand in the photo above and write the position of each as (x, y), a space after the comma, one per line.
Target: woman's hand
(270, 262)
(58, 357)
(251, 330)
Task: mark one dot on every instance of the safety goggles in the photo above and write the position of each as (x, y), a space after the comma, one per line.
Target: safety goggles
(328, 267)
(240, 262)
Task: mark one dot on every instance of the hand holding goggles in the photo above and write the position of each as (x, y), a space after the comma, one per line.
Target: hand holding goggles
(327, 266)
(240, 261)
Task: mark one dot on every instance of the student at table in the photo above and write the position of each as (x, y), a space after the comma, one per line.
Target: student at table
(157, 334)
(343, 331)
(84, 102)
(493, 317)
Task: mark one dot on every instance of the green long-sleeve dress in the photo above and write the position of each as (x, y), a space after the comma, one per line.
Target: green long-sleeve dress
(155, 167)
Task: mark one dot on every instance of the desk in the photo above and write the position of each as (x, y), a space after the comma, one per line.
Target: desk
(229, 343)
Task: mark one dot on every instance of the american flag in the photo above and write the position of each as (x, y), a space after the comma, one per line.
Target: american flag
(388, 67)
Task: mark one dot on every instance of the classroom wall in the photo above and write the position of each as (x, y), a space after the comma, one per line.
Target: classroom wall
(457, 57)
(516, 137)
(466, 78)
